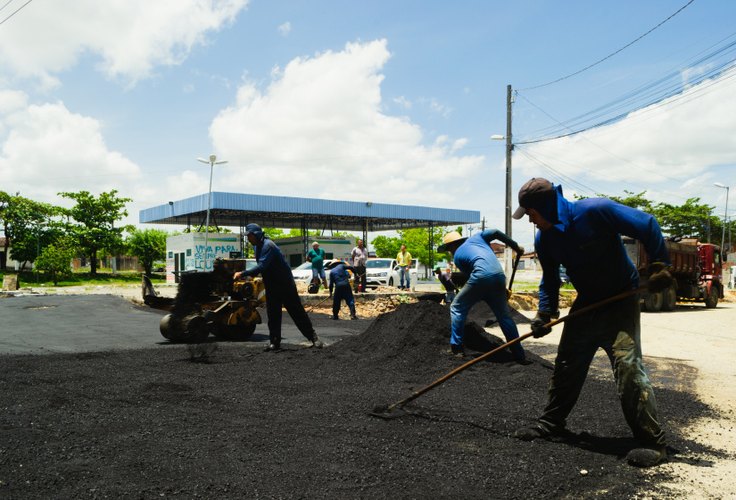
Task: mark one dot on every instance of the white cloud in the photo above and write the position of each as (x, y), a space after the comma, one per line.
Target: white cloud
(318, 130)
(48, 149)
(403, 102)
(130, 37)
(663, 149)
(284, 29)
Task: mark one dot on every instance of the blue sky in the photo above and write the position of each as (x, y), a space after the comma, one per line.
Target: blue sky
(391, 102)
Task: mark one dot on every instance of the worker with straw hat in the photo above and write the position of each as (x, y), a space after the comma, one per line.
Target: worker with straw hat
(486, 281)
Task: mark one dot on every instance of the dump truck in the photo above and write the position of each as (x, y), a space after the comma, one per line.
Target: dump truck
(210, 303)
(696, 268)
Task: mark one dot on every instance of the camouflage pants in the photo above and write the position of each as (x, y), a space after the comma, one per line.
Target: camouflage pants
(616, 329)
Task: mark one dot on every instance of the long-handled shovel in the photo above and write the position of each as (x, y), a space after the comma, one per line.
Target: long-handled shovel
(393, 410)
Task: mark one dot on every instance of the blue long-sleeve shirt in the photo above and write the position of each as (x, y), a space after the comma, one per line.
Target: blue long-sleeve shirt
(586, 239)
(475, 256)
(339, 276)
(271, 263)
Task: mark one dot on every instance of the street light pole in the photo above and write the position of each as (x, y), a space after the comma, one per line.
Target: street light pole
(725, 217)
(212, 162)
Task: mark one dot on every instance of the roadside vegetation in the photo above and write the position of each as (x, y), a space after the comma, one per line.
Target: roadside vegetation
(103, 276)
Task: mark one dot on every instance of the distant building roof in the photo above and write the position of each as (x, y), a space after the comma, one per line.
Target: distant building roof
(238, 209)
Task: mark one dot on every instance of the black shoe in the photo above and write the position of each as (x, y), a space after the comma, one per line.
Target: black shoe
(335, 317)
(457, 350)
(272, 348)
(317, 343)
(353, 317)
(647, 457)
(536, 432)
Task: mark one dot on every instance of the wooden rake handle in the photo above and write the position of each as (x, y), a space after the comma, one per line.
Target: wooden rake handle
(470, 363)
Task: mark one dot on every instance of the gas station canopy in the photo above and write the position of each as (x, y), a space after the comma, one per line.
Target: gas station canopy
(238, 210)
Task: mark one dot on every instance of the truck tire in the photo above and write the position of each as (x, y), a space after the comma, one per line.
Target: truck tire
(669, 299)
(711, 301)
(653, 302)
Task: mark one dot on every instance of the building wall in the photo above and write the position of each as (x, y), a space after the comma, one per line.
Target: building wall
(185, 252)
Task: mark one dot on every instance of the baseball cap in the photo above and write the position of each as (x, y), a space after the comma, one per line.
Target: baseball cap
(533, 194)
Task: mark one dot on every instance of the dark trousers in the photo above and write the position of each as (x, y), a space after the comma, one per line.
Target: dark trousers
(343, 292)
(284, 294)
(360, 281)
(614, 328)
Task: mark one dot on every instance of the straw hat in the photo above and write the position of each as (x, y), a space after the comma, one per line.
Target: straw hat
(449, 238)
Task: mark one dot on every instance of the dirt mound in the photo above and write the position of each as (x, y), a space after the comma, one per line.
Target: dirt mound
(417, 332)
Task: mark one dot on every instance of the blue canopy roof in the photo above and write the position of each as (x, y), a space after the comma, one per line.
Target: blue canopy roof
(239, 209)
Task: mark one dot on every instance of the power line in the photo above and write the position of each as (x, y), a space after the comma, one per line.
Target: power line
(610, 55)
(15, 11)
(6, 4)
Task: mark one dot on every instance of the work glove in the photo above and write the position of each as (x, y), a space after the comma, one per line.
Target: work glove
(538, 324)
(659, 277)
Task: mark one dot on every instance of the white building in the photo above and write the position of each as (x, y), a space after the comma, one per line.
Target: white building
(185, 252)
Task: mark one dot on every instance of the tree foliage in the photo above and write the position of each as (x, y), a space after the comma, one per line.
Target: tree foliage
(28, 226)
(56, 259)
(94, 227)
(148, 245)
(416, 241)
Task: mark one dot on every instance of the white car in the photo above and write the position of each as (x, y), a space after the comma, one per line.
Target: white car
(385, 272)
(303, 272)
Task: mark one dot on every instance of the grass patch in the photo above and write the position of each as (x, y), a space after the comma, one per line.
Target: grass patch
(84, 278)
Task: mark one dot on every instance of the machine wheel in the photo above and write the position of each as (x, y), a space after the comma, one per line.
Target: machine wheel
(711, 301)
(168, 328)
(669, 299)
(653, 302)
(196, 330)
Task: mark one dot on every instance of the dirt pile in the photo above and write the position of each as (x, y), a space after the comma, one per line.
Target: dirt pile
(417, 334)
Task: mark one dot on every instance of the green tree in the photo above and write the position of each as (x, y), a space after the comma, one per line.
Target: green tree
(417, 243)
(94, 228)
(634, 200)
(28, 226)
(386, 246)
(56, 260)
(689, 220)
(148, 245)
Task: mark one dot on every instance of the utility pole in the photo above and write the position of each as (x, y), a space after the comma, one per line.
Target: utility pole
(509, 149)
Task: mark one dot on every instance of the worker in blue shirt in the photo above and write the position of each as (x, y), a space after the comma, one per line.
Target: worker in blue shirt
(340, 282)
(486, 281)
(280, 288)
(585, 237)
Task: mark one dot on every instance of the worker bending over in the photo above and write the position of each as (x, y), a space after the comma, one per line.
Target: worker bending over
(340, 282)
(585, 237)
(486, 281)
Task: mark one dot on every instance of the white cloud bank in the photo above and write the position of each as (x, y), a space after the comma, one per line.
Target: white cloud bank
(318, 130)
(131, 37)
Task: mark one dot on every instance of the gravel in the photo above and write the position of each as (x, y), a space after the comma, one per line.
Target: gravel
(240, 423)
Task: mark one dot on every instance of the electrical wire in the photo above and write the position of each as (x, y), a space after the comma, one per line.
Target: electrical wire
(6, 4)
(609, 55)
(15, 11)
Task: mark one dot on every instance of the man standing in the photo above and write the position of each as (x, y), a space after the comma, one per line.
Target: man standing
(317, 257)
(280, 288)
(486, 281)
(403, 258)
(359, 256)
(585, 237)
(340, 281)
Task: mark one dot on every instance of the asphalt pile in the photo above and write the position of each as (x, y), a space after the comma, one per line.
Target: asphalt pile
(151, 423)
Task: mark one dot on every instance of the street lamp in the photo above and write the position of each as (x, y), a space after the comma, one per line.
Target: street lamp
(212, 162)
(725, 218)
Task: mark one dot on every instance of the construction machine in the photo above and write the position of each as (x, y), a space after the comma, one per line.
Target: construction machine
(210, 303)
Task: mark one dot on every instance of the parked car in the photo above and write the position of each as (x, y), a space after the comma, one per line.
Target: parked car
(303, 272)
(385, 272)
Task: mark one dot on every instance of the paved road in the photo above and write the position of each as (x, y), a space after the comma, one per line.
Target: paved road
(38, 324)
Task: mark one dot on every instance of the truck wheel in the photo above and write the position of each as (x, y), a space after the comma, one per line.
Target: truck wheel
(653, 302)
(711, 301)
(669, 299)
